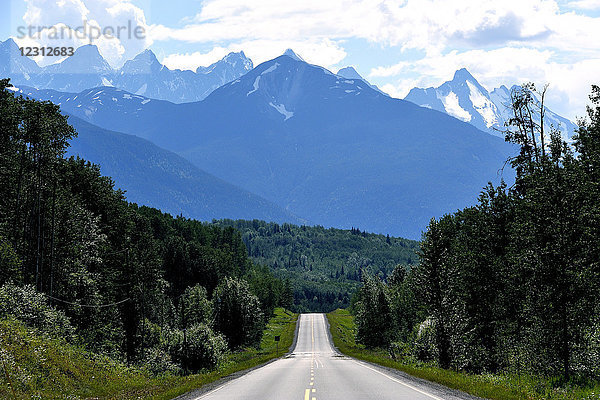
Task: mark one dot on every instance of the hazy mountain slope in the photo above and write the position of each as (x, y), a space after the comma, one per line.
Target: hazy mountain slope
(158, 178)
(328, 148)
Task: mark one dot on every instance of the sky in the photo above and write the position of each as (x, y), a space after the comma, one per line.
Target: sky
(395, 44)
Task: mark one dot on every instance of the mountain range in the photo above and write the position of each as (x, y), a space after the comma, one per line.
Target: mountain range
(285, 141)
(330, 149)
(464, 98)
(143, 75)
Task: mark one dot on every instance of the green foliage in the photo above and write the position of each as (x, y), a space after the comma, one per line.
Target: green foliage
(10, 265)
(35, 366)
(271, 291)
(197, 308)
(237, 313)
(196, 347)
(373, 314)
(499, 386)
(32, 308)
(323, 265)
(70, 372)
(133, 282)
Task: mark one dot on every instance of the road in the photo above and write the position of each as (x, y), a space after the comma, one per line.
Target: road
(315, 371)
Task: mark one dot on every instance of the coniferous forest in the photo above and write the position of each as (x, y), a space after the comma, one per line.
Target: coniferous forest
(511, 284)
(78, 262)
(324, 267)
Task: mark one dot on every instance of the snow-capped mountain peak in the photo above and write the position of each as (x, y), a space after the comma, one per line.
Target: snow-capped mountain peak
(238, 59)
(292, 54)
(286, 87)
(462, 75)
(229, 68)
(466, 99)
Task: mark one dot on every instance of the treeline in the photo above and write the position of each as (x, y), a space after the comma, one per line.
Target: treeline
(79, 262)
(324, 266)
(511, 284)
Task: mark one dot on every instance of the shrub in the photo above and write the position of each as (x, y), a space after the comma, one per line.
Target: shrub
(196, 348)
(32, 308)
(158, 361)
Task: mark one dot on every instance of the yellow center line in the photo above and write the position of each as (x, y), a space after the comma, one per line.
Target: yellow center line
(307, 394)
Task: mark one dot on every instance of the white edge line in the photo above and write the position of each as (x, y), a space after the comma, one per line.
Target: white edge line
(398, 381)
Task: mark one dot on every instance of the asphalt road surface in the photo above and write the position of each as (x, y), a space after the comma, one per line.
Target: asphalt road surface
(315, 371)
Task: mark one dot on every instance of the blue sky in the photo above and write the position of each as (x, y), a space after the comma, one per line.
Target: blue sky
(396, 44)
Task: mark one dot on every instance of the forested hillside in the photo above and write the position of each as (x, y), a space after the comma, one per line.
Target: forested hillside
(512, 284)
(77, 261)
(325, 266)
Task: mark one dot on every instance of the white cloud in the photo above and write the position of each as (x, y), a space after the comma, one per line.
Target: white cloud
(418, 24)
(192, 61)
(585, 4)
(117, 27)
(325, 53)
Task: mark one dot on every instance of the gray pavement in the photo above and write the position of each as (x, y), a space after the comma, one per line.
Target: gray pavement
(316, 371)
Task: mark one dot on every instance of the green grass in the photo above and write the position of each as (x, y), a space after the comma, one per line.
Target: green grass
(283, 323)
(489, 386)
(33, 366)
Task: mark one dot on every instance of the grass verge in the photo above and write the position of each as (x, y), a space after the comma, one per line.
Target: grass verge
(35, 367)
(489, 386)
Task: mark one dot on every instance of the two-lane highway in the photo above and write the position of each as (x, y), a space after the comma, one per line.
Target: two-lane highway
(315, 371)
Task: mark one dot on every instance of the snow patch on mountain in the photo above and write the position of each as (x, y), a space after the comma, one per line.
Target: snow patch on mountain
(282, 110)
(270, 69)
(453, 107)
(255, 85)
(483, 105)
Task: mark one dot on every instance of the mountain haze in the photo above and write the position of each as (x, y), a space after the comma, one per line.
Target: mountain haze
(159, 178)
(330, 149)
